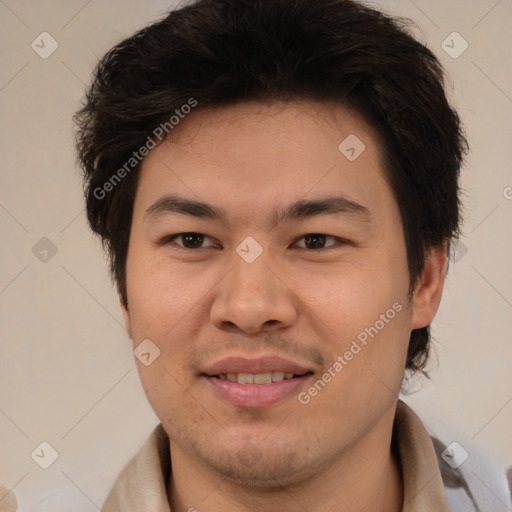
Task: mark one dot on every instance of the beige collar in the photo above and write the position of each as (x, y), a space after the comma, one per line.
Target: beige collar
(423, 485)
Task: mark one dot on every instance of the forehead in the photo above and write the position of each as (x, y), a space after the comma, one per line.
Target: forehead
(260, 157)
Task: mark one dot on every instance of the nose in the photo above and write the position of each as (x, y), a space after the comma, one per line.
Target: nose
(253, 298)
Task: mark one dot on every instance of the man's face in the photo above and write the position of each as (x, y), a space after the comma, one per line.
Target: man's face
(269, 288)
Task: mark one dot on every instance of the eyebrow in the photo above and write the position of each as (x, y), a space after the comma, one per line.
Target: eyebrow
(301, 209)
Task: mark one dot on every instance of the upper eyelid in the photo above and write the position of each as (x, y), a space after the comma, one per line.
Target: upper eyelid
(170, 238)
(338, 241)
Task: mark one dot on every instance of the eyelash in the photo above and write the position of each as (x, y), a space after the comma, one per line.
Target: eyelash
(170, 239)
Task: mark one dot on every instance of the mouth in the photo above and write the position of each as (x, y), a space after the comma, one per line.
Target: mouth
(242, 393)
(256, 383)
(259, 378)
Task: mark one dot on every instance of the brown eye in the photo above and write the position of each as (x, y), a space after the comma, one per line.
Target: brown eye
(315, 241)
(190, 240)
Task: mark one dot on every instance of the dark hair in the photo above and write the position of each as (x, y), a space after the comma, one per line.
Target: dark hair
(220, 52)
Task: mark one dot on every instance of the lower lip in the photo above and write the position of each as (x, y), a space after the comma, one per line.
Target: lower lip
(256, 396)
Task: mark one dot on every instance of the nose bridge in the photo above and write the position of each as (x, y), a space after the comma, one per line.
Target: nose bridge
(252, 278)
(251, 261)
(251, 296)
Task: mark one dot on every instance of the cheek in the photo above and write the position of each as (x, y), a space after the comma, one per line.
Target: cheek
(160, 294)
(165, 308)
(168, 305)
(353, 295)
(362, 313)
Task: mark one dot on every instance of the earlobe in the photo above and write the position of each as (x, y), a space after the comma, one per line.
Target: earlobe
(126, 315)
(429, 288)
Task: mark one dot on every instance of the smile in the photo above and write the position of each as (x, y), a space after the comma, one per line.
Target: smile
(256, 391)
(257, 378)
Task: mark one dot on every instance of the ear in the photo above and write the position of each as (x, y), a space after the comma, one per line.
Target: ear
(126, 315)
(429, 288)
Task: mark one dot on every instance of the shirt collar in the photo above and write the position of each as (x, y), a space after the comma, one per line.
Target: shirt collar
(423, 484)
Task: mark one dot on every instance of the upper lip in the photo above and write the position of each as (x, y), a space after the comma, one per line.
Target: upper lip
(264, 364)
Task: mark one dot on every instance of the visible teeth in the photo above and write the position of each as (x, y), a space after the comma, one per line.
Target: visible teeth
(263, 378)
(277, 376)
(245, 378)
(256, 378)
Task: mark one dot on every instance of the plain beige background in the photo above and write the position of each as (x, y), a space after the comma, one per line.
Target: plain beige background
(67, 372)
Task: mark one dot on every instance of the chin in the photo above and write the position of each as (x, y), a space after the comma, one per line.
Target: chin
(270, 471)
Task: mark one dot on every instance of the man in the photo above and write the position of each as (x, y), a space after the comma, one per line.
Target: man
(276, 183)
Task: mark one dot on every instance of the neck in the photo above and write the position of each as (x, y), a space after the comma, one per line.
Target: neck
(366, 477)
